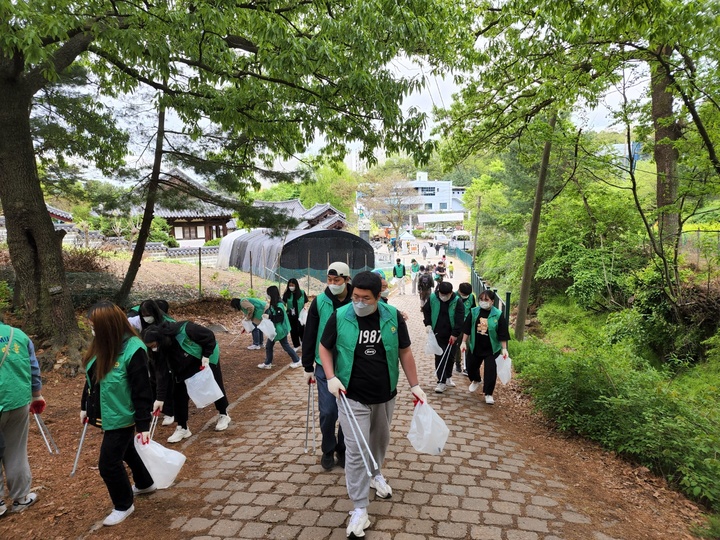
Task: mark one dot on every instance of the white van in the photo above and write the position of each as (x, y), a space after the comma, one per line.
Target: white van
(461, 240)
(439, 239)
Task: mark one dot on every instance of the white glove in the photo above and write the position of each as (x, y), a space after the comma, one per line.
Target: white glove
(335, 387)
(463, 347)
(504, 353)
(144, 437)
(309, 377)
(428, 329)
(157, 407)
(83, 417)
(205, 361)
(418, 393)
(266, 316)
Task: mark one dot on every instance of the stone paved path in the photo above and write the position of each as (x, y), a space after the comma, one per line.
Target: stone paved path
(259, 482)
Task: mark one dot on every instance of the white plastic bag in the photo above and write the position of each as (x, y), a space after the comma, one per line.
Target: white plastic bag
(428, 432)
(162, 463)
(268, 329)
(431, 345)
(394, 281)
(302, 318)
(504, 368)
(203, 389)
(248, 326)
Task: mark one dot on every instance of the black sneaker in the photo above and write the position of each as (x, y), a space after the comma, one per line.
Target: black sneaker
(341, 459)
(328, 461)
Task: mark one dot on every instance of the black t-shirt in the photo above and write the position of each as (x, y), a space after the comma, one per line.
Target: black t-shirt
(483, 346)
(370, 377)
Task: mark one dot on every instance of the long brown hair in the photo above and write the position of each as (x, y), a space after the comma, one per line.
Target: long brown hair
(111, 328)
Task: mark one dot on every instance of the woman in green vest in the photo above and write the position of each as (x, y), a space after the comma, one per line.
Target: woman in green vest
(486, 334)
(278, 316)
(185, 348)
(117, 398)
(253, 309)
(295, 300)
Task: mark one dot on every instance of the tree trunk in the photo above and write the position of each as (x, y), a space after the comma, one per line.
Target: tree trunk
(148, 214)
(529, 267)
(35, 249)
(667, 132)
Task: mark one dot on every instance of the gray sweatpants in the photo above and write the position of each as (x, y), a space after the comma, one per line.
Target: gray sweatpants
(14, 427)
(374, 422)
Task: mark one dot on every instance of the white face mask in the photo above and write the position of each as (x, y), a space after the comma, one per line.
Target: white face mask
(153, 349)
(149, 320)
(292, 288)
(485, 305)
(463, 297)
(336, 289)
(363, 310)
(445, 297)
(385, 293)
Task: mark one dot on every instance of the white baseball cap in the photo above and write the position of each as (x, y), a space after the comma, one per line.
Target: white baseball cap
(338, 269)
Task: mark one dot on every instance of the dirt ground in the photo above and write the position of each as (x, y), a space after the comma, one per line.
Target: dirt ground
(68, 507)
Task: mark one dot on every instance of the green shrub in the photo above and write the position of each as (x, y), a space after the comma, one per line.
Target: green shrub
(613, 397)
(213, 242)
(85, 260)
(5, 296)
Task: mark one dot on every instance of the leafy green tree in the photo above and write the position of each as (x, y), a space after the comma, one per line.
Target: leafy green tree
(334, 184)
(269, 75)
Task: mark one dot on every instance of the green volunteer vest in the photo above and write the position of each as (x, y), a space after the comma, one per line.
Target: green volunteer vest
(297, 303)
(415, 268)
(259, 306)
(492, 327)
(400, 270)
(15, 372)
(192, 348)
(116, 406)
(281, 329)
(325, 309)
(435, 309)
(348, 331)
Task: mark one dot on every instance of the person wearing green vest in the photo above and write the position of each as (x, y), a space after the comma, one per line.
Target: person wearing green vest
(468, 299)
(185, 348)
(295, 300)
(486, 333)
(278, 316)
(117, 398)
(362, 348)
(253, 308)
(399, 275)
(20, 396)
(443, 315)
(414, 274)
(336, 295)
(146, 313)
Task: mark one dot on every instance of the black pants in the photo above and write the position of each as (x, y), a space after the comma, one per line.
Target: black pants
(296, 330)
(472, 364)
(181, 398)
(118, 446)
(168, 408)
(443, 370)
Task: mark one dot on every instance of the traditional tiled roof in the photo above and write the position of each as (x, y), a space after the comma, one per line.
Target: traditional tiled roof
(198, 208)
(56, 213)
(292, 208)
(318, 209)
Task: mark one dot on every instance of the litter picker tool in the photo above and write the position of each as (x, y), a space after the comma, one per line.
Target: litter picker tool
(47, 437)
(77, 457)
(357, 433)
(153, 424)
(311, 403)
(443, 361)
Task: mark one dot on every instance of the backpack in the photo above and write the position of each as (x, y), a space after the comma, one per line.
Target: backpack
(425, 282)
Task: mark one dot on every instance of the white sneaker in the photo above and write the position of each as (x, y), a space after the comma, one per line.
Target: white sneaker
(222, 423)
(298, 349)
(252, 347)
(3, 508)
(118, 516)
(489, 400)
(265, 366)
(180, 434)
(168, 421)
(474, 386)
(23, 504)
(381, 487)
(440, 388)
(449, 382)
(359, 521)
(146, 491)
(295, 365)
